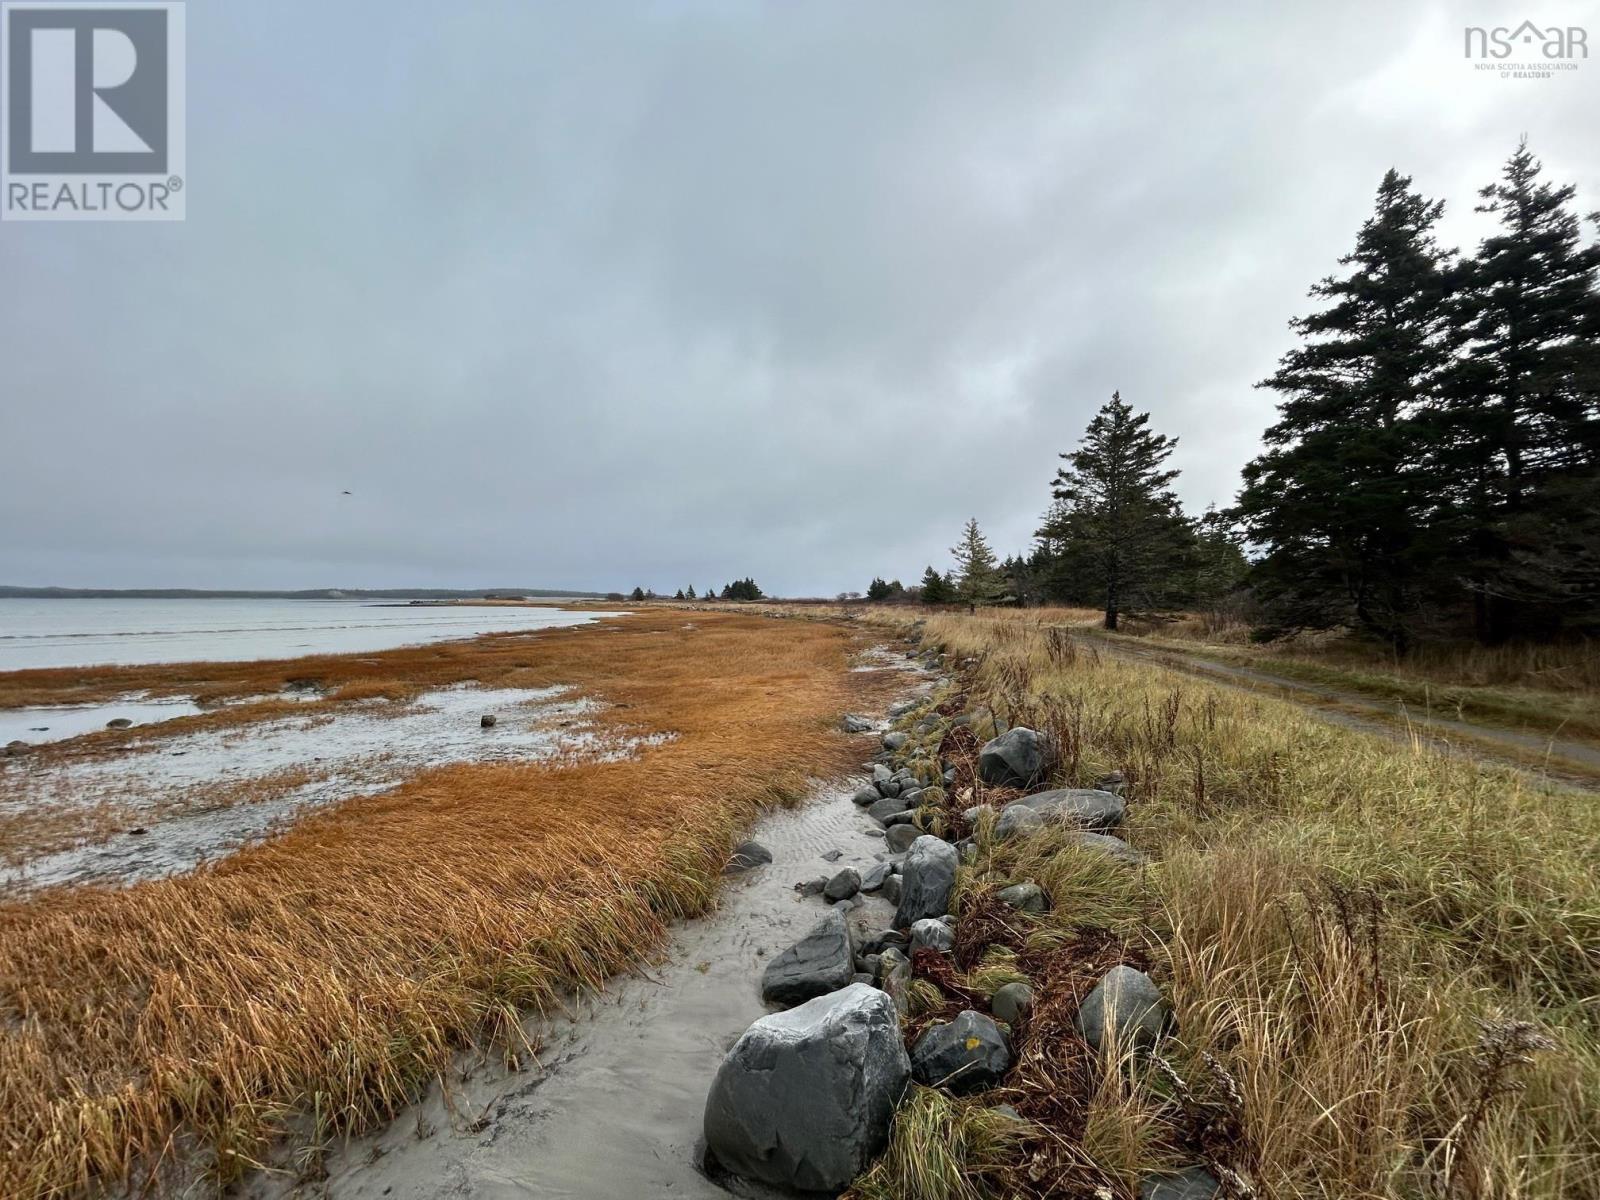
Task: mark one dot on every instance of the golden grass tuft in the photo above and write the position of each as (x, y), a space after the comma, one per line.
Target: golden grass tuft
(332, 970)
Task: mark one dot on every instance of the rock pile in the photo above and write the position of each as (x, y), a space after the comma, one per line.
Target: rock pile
(805, 1098)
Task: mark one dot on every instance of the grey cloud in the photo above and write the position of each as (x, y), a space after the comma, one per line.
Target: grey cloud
(597, 295)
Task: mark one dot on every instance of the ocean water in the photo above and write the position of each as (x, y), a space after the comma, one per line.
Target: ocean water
(80, 633)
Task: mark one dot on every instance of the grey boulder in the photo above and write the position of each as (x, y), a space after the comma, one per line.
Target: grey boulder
(1105, 843)
(1017, 758)
(805, 1098)
(843, 885)
(930, 934)
(927, 879)
(901, 837)
(876, 874)
(1024, 897)
(1010, 1002)
(891, 889)
(818, 963)
(865, 796)
(488, 721)
(125, 723)
(1125, 1005)
(856, 724)
(966, 1055)
(887, 807)
(895, 741)
(1191, 1183)
(1087, 808)
(745, 856)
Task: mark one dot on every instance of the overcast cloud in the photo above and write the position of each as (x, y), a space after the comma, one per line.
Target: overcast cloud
(590, 295)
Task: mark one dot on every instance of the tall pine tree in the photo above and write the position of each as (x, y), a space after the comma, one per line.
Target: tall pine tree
(978, 577)
(1338, 500)
(1519, 450)
(1115, 519)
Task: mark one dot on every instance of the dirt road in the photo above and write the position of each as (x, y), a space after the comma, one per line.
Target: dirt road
(1566, 761)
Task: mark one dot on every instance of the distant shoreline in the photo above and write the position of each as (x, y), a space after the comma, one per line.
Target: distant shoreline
(503, 593)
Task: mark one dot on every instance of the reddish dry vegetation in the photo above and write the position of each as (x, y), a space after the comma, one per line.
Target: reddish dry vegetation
(332, 970)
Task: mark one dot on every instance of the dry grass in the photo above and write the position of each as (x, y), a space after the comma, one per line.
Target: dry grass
(1385, 963)
(331, 970)
(1547, 688)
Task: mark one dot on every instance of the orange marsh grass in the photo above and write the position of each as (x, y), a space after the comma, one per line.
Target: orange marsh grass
(333, 969)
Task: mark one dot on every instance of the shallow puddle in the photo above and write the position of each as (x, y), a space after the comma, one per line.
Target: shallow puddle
(174, 802)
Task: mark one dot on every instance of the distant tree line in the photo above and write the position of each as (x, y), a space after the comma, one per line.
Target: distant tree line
(739, 589)
(1435, 466)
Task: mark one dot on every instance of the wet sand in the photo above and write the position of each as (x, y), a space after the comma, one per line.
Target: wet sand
(613, 1109)
(189, 798)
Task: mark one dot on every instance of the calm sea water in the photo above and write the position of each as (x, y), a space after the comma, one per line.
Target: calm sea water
(77, 633)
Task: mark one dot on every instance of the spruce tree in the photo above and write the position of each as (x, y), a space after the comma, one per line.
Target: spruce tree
(1338, 501)
(1116, 521)
(977, 574)
(1520, 437)
(935, 588)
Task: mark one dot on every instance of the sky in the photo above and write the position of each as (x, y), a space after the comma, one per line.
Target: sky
(592, 296)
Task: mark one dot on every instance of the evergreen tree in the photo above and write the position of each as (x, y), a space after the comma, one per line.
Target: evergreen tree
(680, 595)
(935, 588)
(742, 589)
(1116, 520)
(690, 593)
(977, 574)
(1338, 501)
(638, 594)
(878, 589)
(1520, 442)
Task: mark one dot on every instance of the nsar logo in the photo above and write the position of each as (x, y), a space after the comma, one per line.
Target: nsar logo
(94, 125)
(1540, 53)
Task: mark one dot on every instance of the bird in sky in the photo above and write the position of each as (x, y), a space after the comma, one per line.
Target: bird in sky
(344, 493)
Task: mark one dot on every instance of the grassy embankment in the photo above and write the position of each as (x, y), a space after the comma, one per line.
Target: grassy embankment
(323, 976)
(1384, 962)
(1549, 690)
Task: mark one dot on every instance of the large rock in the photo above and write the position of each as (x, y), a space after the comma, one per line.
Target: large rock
(745, 856)
(805, 1098)
(894, 977)
(891, 888)
(887, 807)
(1191, 1183)
(895, 741)
(1024, 897)
(854, 723)
(818, 963)
(931, 934)
(927, 880)
(1126, 1003)
(865, 797)
(966, 1055)
(17, 748)
(1087, 808)
(843, 885)
(902, 837)
(1011, 1002)
(1017, 758)
(873, 879)
(1114, 847)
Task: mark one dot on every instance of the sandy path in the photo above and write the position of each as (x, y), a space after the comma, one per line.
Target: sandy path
(614, 1108)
